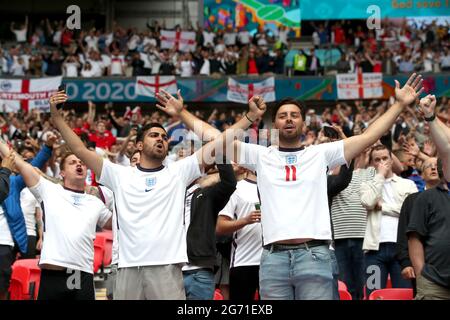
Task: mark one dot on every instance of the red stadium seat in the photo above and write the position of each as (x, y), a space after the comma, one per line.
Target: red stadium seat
(25, 280)
(389, 282)
(99, 251)
(342, 285)
(20, 284)
(344, 295)
(392, 294)
(218, 295)
(107, 257)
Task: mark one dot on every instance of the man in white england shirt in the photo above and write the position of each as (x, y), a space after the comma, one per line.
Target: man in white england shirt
(149, 204)
(292, 183)
(70, 217)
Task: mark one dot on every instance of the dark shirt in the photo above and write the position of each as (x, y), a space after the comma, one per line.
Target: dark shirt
(166, 68)
(4, 183)
(430, 218)
(402, 239)
(206, 204)
(138, 68)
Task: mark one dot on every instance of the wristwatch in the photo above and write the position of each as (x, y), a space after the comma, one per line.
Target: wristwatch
(430, 118)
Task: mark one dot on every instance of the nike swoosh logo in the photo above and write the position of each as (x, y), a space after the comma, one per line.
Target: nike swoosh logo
(147, 190)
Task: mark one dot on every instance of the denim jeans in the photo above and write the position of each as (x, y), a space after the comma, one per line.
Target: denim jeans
(350, 257)
(299, 274)
(335, 268)
(379, 264)
(199, 284)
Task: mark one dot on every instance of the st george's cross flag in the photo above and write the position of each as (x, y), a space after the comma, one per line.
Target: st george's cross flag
(149, 86)
(180, 40)
(27, 94)
(359, 85)
(242, 92)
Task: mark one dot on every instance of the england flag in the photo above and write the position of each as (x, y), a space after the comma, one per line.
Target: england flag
(149, 86)
(242, 92)
(27, 94)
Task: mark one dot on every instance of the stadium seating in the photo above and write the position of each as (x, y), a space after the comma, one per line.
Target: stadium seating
(99, 251)
(107, 255)
(218, 295)
(344, 295)
(392, 294)
(25, 280)
(342, 286)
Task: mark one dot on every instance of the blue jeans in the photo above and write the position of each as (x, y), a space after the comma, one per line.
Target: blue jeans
(350, 257)
(199, 284)
(335, 268)
(379, 264)
(300, 274)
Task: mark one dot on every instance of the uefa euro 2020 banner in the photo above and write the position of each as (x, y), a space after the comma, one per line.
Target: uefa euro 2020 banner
(248, 14)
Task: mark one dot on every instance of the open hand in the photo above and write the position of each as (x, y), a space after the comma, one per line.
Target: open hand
(410, 91)
(168, 103)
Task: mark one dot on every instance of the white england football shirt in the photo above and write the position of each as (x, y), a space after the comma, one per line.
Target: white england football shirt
(28, 203)
(150, 205)
(293, 188)
(69, 222)
(247, 242)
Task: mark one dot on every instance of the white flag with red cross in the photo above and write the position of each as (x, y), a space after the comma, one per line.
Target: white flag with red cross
(27, 94)
(242, 92)
(359, 85)
(180, 40)
(149, 86)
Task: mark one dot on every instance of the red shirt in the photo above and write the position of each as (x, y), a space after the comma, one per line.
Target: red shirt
(339, 36)
(105, 141)
(252, 69)
(377, 67)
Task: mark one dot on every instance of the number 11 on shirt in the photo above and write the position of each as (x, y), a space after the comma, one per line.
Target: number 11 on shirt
(291, 173)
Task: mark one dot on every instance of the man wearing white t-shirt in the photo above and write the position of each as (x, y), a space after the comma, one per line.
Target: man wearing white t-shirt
(383, 197)
(292, 183)
(21, 33)
(241, 217)
(70, 217)
(149, 204)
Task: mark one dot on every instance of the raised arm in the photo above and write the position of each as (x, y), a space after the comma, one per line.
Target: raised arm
(440, 133)
(91, 113)
(222, 142)
(226, 143)
(174, 106)
(404, 96)
(90, 158)
(6, 168)
(28, 172)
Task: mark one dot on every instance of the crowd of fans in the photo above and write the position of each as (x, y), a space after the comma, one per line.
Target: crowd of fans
(110, 132)
(49, 48)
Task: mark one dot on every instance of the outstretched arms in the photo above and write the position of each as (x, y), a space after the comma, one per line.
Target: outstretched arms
(174, 107)
(90, 158)
(222, 142)
(405, 96)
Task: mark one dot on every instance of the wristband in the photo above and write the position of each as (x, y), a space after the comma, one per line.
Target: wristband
(251, 121)
(430, 118)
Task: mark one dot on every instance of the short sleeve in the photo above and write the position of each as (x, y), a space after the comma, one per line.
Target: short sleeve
(418, 219)
(334, 153)
(188, 169)
(249, 155)
(230, 208)
(40, 189)
(110, 176)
